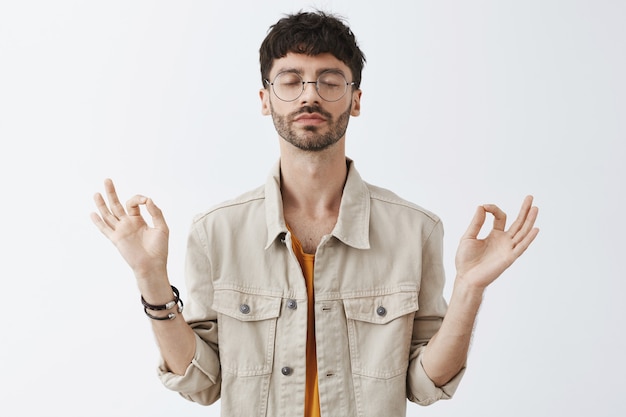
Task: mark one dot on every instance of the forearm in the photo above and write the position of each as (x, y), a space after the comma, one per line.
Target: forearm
(446, 353)
(145, 250)
(175, 338)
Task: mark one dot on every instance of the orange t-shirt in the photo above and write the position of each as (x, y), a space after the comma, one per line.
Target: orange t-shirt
(311, 396)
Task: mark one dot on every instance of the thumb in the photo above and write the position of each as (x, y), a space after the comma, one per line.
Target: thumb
(476, 224)
(157, 215)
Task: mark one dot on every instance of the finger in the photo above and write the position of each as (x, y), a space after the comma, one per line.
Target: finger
(521, 217)
(527, 227)
(476, 224)
(521, 247)
(499, 216)
(132, 205)
(109, 218)
(116, 207)
(157, 215)
(100, 224)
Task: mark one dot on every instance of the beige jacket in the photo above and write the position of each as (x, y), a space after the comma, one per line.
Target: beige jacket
(378, 300)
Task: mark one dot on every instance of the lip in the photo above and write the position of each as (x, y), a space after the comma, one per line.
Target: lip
(310, 118)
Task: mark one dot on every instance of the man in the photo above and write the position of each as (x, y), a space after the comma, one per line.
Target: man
(317, 293)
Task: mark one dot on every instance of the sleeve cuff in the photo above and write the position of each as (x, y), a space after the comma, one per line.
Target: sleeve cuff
(423, 391)
(202, 373)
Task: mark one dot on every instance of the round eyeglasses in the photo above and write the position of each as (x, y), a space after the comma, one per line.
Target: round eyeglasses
(330, 85)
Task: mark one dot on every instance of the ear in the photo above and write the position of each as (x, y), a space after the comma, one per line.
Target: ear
(356, 103)
(264, 95)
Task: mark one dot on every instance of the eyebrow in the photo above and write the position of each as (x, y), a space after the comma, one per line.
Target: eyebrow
(300, 71)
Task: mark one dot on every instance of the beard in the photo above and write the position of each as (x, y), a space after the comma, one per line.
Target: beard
(311, 140)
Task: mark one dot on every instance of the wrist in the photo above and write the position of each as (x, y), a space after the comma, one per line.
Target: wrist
(152, 273)
(468, 292)
(155, 289)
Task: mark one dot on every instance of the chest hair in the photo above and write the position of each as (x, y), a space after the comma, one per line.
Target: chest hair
(310, 231)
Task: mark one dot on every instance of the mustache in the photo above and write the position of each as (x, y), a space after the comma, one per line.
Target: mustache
(312, 109)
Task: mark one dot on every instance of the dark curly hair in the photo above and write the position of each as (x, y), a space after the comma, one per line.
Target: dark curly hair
(311, 33)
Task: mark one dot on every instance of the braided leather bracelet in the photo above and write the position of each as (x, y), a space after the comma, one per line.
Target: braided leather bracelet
(167, 306)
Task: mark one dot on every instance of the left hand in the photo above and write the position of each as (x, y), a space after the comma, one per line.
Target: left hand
(480, 261)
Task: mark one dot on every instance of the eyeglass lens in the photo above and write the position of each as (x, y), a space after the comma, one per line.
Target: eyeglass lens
(331, 86)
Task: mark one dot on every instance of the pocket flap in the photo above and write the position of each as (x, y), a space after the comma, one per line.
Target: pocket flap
(381, 309)
(246, 306)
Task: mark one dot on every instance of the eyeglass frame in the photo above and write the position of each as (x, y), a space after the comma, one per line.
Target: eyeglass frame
(316, 82)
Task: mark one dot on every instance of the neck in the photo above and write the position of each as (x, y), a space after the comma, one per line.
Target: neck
(312, 182)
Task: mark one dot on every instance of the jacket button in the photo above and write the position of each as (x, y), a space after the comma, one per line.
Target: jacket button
(292, 304)
(286, 371)
(244, 308)
(381, 311)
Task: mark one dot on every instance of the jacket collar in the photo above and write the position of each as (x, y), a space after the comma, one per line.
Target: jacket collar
(352, 227)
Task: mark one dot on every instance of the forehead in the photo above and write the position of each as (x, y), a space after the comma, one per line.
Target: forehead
(309, 65)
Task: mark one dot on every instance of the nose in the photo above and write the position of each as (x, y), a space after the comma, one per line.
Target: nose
(309, 94)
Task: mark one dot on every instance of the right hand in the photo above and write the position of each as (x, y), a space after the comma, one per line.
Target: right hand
(143, 247)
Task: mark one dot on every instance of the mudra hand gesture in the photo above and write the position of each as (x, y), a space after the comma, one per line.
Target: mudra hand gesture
(480, 261)
(143, 247)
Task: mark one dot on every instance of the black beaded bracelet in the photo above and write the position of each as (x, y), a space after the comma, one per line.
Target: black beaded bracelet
(167, 306)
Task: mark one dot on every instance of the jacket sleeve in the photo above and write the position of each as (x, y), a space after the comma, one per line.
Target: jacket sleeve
(428, 319)
(201, 382)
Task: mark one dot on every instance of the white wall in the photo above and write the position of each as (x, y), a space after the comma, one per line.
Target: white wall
(464, 103)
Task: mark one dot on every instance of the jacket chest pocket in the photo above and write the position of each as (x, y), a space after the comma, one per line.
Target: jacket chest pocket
(379, 333)
(246, 331)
